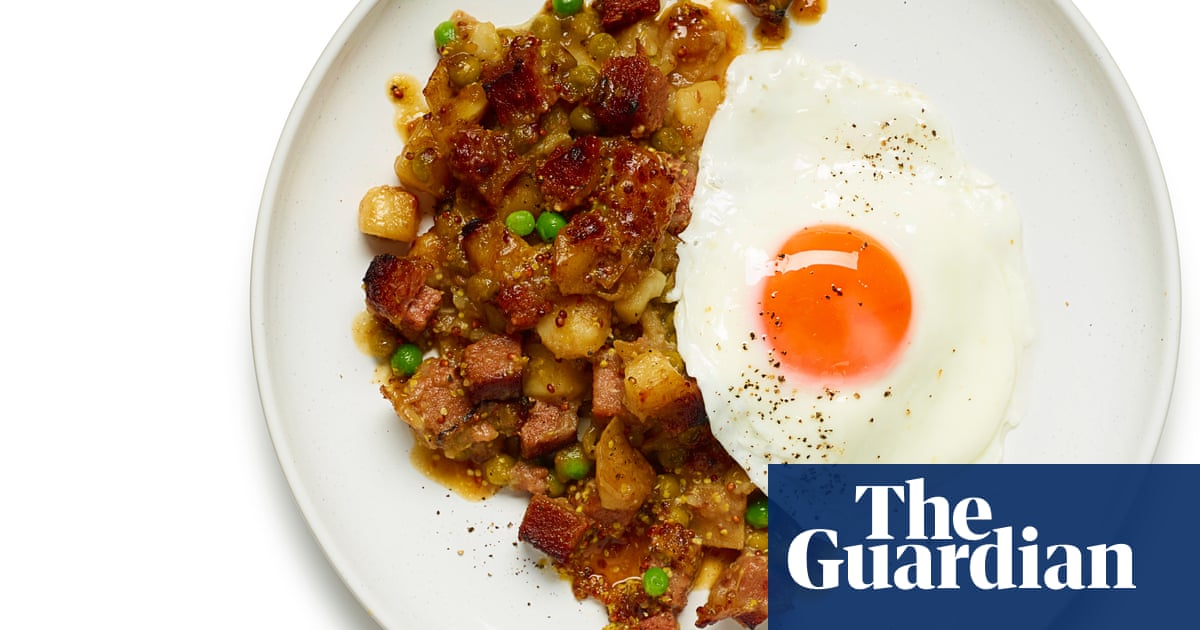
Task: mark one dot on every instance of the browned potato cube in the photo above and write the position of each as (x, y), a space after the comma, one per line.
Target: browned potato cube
(623, 476)
(652, 384)
(554, 380)
(389, 212)
(468, 109)
(587, 256)
(696, 104)
(485, 41)
(632, 303)
(577, 327)
(487, 244)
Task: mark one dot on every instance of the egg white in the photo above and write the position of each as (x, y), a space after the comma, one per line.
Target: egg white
(796, 144)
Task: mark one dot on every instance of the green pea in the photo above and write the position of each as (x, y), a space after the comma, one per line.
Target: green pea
(570, 463)
(422, 163)
(554, 486)
(465, 69)
(498, 469)
(545, 27)
(555, 121)
(667, 486)
(679, 514)
(444, 34)
(672, 458)
(581, 79)
(667, 140)
(756, 513)
(567, 7)
(583, 24)
(655, 581)
(521, 222)
(601, 46)
(583, 120)
(548, 225)
(419, 168)
(559, 60)
(406, 359)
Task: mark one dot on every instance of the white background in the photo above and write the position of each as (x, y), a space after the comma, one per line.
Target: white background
(138, 487)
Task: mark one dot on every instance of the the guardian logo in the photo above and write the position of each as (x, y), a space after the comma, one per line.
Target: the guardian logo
(949, 546)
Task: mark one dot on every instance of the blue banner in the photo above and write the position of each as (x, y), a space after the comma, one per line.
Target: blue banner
(981, 547)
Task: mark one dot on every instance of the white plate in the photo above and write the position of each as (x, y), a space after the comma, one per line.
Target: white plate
(1035, 101)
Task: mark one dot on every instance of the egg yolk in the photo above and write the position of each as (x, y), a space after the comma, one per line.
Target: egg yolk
(837, 305)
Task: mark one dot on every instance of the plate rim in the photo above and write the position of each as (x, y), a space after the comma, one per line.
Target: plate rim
(280, 162)
(1164, 210)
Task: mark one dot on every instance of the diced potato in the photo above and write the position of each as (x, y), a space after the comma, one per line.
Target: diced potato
(487, 244)
(523, 193)
(577, 328)
(554, 380)
(467, 109)
(549, 143)
(696, 104)
(623, 476)
(481, 287)
(652, 384)
(486, 42)
(421, 165)
(632, 303)
(389, 212)
(643, 36)
(576, 260)
(587, 256)
(438, 91)
(429, 247)
(452, 107)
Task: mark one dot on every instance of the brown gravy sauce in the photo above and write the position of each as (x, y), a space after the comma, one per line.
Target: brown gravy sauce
(464, 478)
(804, 12)
(807, 11)
(405, 93)
(371, 338)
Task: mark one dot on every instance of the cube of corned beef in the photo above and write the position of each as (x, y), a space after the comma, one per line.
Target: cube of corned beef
(553, 526)
(492, 368)
(661, 621)
(419, 311)
(615, 14)
(571, 173)
(430, 401)
(486, 160)
(608, 386)
(631, 97)
(396, 291)
(529, 478)
(740, 593)
(546, 428)
(522, 305)
(518, 88)
(640, 194)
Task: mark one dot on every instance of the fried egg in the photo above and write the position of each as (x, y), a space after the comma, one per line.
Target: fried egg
(850, 289)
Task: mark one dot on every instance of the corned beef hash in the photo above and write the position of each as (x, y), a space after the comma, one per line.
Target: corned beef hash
(528, 328)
